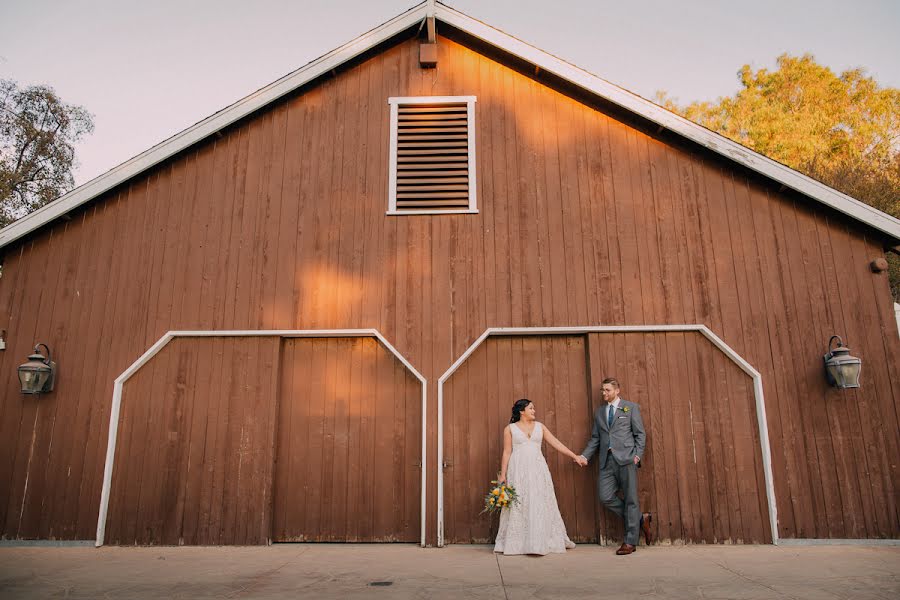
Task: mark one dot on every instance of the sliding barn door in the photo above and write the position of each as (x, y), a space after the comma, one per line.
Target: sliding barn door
(702, 474)
(549, 370)
(349, 444)
(193, 462)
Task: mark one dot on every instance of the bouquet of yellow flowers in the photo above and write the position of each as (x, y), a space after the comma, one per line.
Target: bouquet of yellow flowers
(501, 495)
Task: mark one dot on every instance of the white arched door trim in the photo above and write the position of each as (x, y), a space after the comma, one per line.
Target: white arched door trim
(717, 342)
(283, 333)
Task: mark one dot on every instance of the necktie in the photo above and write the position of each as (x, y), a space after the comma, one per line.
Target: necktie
(609, 418)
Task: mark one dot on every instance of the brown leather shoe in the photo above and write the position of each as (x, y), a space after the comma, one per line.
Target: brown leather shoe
(647, 518)
(625, 549)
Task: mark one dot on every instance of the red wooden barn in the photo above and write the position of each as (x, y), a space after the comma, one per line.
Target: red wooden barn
(306, 317)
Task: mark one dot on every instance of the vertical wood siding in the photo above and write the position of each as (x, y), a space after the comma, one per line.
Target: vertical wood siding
(701, 476)
(194, 456)
(551, 372)
(584, 220)
(349, 444)
(250, 440)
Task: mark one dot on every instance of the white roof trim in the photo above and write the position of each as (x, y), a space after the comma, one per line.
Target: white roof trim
(612, 93)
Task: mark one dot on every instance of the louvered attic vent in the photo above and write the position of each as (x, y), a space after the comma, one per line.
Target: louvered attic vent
(432, 155)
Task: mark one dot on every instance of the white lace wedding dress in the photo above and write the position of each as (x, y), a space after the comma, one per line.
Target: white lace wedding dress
(533, 525)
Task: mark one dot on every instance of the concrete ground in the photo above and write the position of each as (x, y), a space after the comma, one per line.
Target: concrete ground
(406, 571)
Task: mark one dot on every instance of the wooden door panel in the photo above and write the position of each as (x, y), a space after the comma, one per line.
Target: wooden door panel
(702, 470)
(550, 371)
(349, 444)
(194, 451)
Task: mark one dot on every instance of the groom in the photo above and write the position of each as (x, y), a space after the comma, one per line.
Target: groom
(619, 435)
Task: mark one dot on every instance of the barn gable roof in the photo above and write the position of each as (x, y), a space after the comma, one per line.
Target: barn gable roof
(493, 37)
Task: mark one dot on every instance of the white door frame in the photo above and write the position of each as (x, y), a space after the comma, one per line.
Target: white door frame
(281, 333)
(717, 342)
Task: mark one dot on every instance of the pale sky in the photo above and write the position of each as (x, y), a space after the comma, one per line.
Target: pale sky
(148, 69)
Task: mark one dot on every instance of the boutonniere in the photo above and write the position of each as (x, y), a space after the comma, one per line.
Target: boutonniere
(625, 409)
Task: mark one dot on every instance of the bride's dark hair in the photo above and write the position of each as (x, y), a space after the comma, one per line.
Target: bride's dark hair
(517, 409)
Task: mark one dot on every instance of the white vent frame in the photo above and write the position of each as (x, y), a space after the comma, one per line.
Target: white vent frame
(394, 102)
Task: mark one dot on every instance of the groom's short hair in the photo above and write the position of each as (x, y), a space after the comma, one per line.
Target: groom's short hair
(612, 381)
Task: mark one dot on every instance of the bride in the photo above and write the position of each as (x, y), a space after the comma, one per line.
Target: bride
(533, 525)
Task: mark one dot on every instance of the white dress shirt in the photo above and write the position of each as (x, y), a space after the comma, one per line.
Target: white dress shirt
(614, 405)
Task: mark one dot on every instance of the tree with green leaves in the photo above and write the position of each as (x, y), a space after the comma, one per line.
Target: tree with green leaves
(843, 130)
(38, 132)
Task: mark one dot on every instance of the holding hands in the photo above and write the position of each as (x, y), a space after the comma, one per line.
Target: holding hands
(582, 461)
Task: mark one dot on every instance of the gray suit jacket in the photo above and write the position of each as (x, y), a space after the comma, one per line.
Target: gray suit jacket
(626, 437)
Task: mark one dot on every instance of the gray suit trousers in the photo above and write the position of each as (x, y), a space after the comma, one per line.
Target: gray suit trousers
(614, 476)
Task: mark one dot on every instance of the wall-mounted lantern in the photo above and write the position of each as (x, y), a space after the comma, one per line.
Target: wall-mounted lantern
(37, 375)
(841, 369)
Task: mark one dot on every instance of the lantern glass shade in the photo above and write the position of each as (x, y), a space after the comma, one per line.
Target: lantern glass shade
(36, 375)
(841, 368)
(845, 374)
